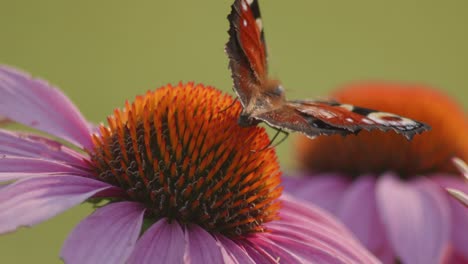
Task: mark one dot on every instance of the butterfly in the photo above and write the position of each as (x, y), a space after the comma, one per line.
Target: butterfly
(263, 98)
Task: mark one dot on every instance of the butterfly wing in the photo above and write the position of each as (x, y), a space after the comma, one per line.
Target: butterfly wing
(246, 49)
(289, 118)
(326, 118)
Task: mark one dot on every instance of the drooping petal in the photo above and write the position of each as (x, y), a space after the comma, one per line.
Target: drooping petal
(459, 213)
(321, 231)
(201, 246)
(30, 201)
(108, 235)
(163, 241)
(358, 211)
(298, 212)
(274, 251)
(37, 104)
(34, 146)
(324, 190)
(12, 168)
(258, 253)
(417, 218)
(234, 253)
(319, 239)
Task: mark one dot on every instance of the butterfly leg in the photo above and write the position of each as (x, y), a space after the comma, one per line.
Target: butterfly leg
(278, 131)
(229, 106)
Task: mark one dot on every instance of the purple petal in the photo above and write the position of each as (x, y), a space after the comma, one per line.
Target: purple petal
(319, 229)
(108, 235)
(30, 201)
(300, 213)
(163, 241)
(202, 247)
(277, 253)
(235, 253)
(417, 218)
(288, 250)
(318, 240)
(12, 168)
(33, 146)
(459, 214)
(358, 211)
(37, 104)
(324, 190)
(257, 253)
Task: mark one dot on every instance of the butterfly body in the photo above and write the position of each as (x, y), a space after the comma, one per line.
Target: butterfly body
(267, 99)
(263, 98)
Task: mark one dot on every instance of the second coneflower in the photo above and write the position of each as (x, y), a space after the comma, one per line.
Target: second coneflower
(389, 191)
(171, 161)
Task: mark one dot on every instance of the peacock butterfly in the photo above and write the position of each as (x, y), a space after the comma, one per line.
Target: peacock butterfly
(263, 99)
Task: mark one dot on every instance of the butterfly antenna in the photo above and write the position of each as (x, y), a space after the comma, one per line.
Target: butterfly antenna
(278, 131)
(229, 106)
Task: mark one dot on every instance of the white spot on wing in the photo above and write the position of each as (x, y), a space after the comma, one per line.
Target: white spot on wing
(347, 107)
(368, 121)
(259, 23)
(244, 22)
(244, 6)
(350, 120)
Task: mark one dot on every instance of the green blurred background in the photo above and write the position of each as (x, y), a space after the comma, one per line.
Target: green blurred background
(103, 52)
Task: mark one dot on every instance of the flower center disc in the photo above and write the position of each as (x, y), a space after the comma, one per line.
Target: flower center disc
(179, 151)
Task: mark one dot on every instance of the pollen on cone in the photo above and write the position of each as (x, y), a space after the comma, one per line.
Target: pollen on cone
(179, 151)
(377, 151)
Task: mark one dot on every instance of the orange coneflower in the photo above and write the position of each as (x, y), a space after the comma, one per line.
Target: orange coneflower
(389, 190)
(172, 160)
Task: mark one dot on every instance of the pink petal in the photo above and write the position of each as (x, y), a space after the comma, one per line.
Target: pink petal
(33, 146)
(163, 241)
(108, 235)
(324, 190)
(417, 218)
(12, 168)
(288, 250)
(300, 213)
(320, 230)
(234, 253)
(30, 201)
(257, 253)
(318, 240)
(202, 247)
(276, 252)
(459, 214)
(358, 211)
(37, 104)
